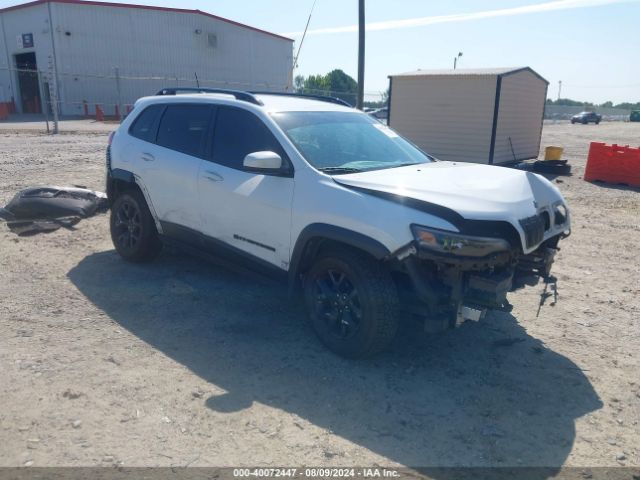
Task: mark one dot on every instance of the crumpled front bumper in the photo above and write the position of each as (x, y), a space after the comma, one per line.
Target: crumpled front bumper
(446, 284)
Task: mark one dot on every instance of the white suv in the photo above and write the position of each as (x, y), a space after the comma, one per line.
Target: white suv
(342, 207)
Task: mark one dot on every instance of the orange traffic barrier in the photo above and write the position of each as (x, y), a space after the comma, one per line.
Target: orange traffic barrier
(99, 114)
(613, 164)
(4, 110)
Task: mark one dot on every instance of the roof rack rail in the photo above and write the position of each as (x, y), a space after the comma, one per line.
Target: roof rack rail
(237, 94)
(322, 98)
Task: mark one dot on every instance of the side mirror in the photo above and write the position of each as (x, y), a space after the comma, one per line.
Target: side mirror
(263, 161)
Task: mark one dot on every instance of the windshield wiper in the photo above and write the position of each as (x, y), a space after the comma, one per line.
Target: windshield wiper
(339, 170)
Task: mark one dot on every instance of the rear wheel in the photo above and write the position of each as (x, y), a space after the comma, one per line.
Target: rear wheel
(133, 230)
(352, 302)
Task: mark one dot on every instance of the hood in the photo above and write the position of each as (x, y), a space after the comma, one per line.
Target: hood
(476, 192)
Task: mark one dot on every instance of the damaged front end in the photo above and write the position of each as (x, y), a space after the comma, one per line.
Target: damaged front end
(458, 277)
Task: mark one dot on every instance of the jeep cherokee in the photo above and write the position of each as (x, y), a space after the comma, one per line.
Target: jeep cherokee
(353, 216)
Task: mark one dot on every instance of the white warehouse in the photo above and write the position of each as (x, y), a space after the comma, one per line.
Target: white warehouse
(89, 53)
(491, 116)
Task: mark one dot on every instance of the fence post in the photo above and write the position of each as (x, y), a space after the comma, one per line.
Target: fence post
(43, 99)
(53, 94)
(119, 105)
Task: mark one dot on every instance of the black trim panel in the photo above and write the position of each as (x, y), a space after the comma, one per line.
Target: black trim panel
(120, 174)
(389, 102)
(496, 111)
(484, 228)
(445, 213)
(218, 251)
(253, 242)
(311, 237)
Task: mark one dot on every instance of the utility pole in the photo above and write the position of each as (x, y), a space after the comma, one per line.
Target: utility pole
(559, 88)
(119, 94)
(53, 93)
(360, 99)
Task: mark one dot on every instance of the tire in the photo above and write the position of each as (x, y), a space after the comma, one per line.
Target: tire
(352, 302)
(573, 122)
(133, 230)
(554, 167)
(597, 122)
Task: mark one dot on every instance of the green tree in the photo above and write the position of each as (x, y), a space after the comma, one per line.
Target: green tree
(298, 83)
(335, 84)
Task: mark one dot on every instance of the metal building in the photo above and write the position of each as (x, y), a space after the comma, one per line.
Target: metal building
(489, 116)
(87, 53)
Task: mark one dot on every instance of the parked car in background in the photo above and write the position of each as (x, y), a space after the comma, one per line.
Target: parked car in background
(380, 114)
(586, 117)
(635, 116)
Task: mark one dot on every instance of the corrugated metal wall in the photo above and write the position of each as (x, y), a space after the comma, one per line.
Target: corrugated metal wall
(446, 116)
(91, 41)
(522, 98)
(154, 43)
(14, 23)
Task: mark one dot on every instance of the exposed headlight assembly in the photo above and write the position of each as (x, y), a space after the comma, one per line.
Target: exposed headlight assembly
(560, 214)
(443, 242)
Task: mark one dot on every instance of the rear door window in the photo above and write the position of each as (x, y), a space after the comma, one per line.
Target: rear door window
(145, 126)
(184, 128)
(238, 133)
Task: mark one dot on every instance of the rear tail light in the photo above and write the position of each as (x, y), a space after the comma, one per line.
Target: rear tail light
(111, 137)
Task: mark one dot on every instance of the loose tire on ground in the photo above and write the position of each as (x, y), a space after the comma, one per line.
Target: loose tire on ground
(133, 230)
(352, 303)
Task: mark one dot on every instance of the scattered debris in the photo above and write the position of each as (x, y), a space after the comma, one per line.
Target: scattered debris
(46, 209)
(71, 395)
(113, 360)
(76, 423)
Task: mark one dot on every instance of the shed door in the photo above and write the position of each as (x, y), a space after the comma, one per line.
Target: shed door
(522, 99)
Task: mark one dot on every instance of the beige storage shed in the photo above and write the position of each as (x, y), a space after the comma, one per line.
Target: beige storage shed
(491, 116)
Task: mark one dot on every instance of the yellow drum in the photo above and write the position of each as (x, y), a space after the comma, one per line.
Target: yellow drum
(553, 153)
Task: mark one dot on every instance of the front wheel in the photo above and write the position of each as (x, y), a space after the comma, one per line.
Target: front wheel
(133, 229)
(352, 302)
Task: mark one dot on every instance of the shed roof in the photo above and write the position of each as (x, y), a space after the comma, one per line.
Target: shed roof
(461, 72)
(142, 7)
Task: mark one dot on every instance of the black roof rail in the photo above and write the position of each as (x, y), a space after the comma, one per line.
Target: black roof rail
(322, 98)
(237, 94)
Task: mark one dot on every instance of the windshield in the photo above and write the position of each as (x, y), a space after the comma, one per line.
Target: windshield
(345, 142)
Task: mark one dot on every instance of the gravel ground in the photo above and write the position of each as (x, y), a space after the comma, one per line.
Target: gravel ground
(185, 363)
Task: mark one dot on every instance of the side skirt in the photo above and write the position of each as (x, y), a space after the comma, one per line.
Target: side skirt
(221, 253)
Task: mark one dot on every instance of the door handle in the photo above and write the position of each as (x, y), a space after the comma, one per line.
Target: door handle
(213, 176)
(147, 157)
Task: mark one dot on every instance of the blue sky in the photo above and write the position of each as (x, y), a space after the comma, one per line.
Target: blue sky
(592, 47)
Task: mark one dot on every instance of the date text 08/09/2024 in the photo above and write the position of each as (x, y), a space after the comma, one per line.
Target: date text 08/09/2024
(315, 473)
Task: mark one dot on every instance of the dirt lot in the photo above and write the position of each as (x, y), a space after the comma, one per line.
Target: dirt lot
(184, 363)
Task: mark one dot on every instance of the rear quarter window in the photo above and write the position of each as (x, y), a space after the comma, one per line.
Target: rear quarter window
(145, 126)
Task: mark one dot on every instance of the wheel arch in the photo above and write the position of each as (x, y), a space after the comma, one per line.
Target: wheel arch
(119, 180)
(317, 235)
